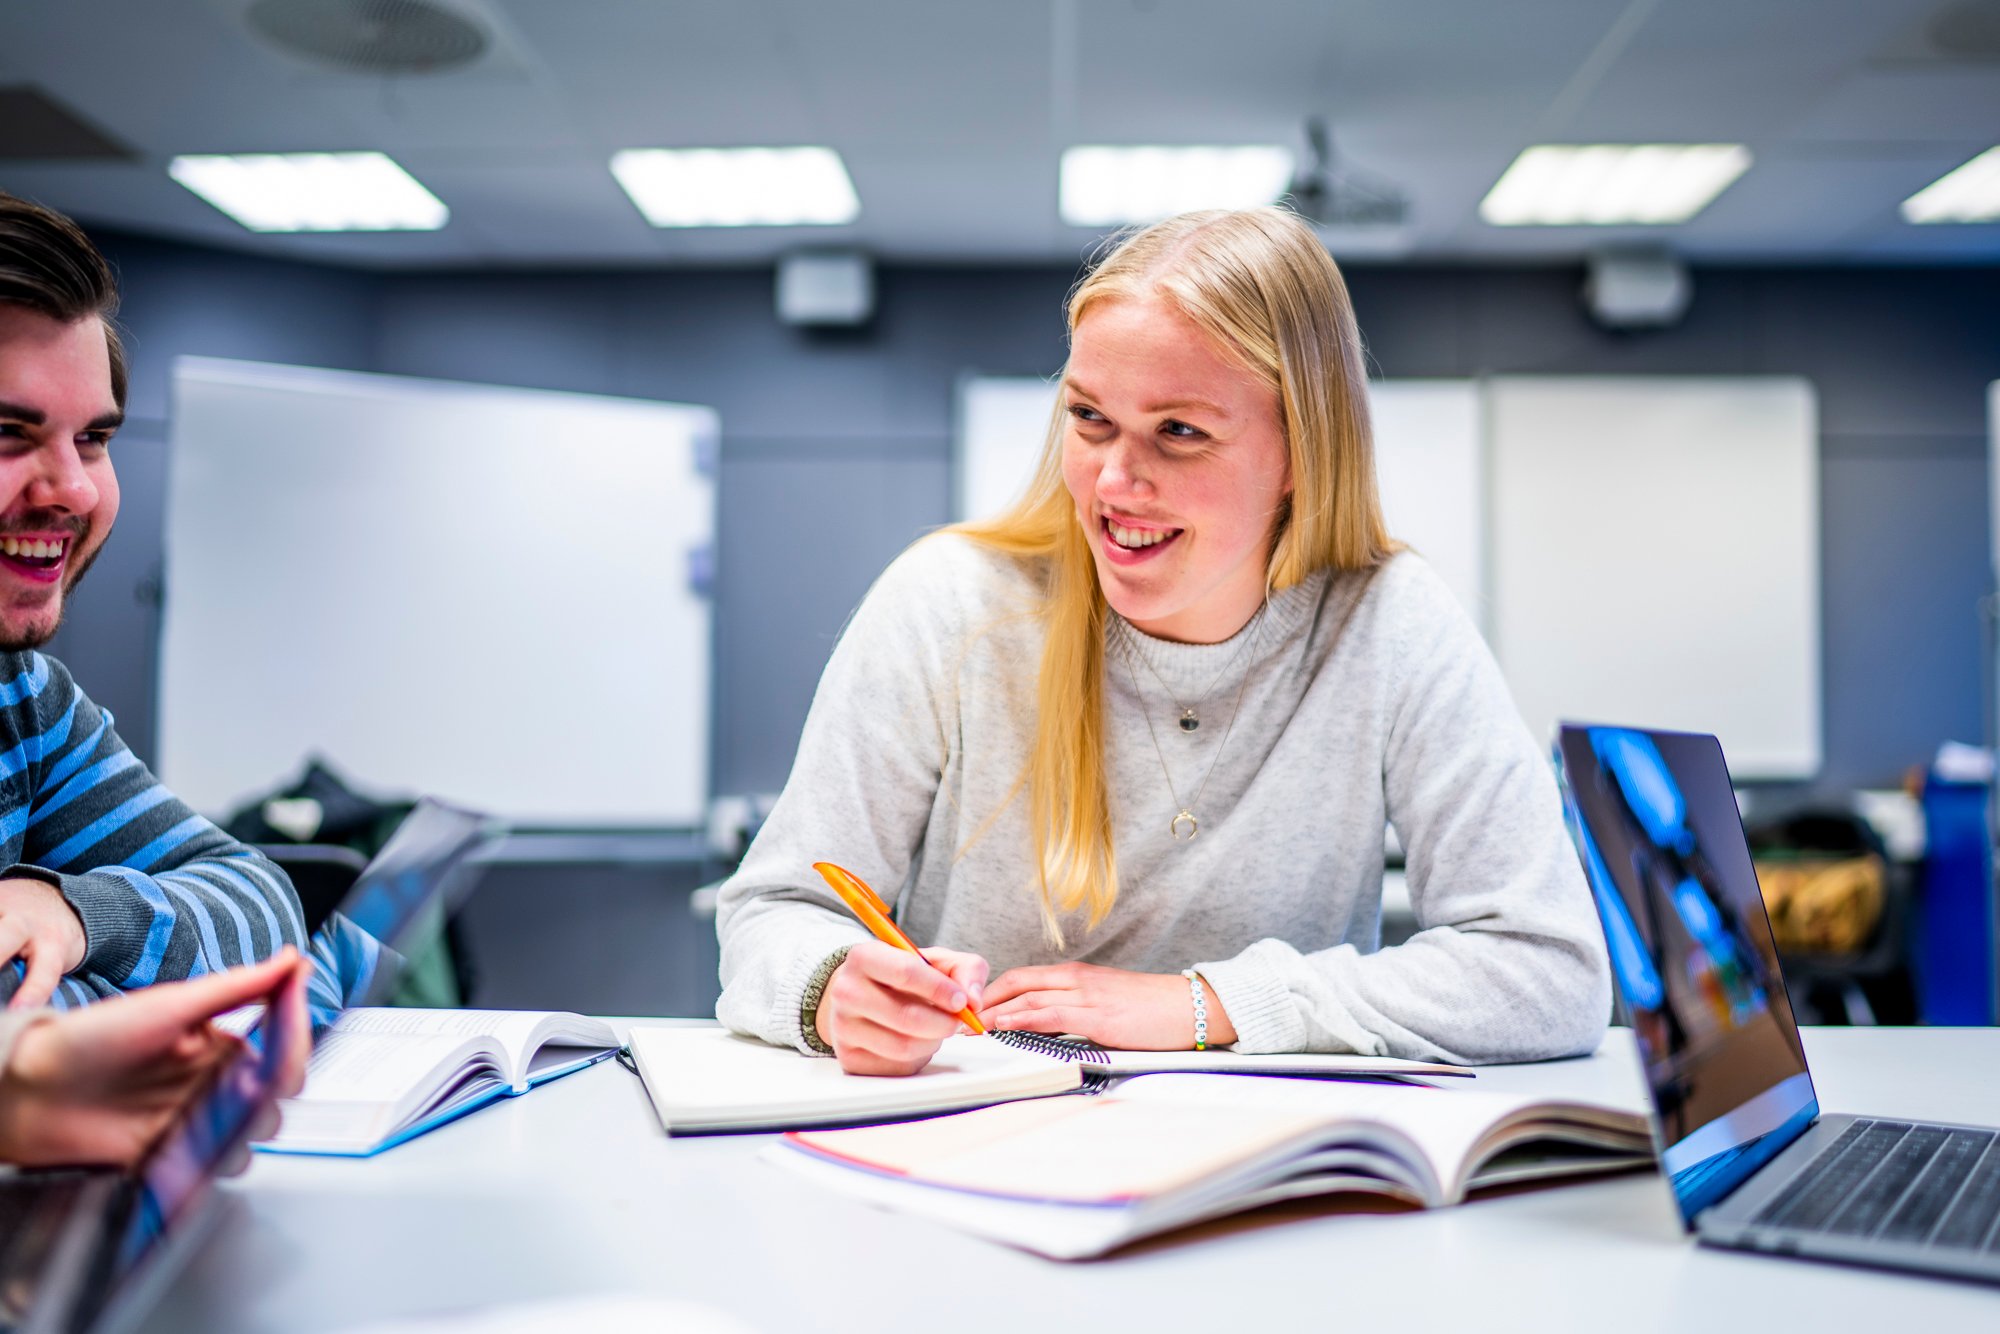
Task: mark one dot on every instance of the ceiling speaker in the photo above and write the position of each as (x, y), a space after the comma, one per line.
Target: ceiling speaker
(826, 288)
(1636, 289)
(370, 36)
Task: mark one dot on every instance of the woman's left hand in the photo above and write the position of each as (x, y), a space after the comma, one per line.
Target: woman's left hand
(1109, 1006)
(99, 1084)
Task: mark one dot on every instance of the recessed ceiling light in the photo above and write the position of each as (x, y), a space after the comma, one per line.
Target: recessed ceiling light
(313, 192)
(1561, 185)
(738, 187)
(1108, 186)
(1969, 194)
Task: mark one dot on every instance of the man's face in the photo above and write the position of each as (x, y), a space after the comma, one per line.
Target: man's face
(58, 496)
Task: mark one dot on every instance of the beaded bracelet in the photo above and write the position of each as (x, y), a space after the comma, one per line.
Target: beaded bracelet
(1199, 995)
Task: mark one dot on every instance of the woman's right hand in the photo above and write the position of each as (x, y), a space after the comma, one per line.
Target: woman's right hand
(885, 1011)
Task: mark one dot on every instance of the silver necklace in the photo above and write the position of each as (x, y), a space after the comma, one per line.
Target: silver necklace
(1190, 714)
(1185, 815)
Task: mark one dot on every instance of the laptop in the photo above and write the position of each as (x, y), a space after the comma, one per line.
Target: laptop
(1752, 1162)
(92, 1249)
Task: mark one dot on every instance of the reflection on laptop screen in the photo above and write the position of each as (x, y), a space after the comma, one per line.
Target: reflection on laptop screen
(1656, 824)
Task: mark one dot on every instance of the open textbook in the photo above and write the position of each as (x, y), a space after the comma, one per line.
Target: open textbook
(380, 1076)
(709, 1079)
(1073, 1178)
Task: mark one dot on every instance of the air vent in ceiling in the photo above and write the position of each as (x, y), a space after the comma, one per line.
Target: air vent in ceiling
(34, 127)
(370, 36)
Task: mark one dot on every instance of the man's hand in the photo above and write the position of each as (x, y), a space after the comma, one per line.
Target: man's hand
(1110, 1006)
(99, 1084)
(885, 1011)
(38, 925)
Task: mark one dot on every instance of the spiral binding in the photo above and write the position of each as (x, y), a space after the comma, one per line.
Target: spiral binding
(1046, 1044)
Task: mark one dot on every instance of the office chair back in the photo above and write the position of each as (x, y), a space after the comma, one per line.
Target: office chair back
(322, 873)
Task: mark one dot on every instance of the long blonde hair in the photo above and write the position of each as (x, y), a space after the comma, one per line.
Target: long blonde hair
(1261, 284)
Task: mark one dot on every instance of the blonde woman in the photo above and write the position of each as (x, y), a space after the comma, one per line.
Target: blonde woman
(1126, 752)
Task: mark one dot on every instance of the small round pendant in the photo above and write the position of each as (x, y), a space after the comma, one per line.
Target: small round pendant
(1185, 817)
(1189, 721)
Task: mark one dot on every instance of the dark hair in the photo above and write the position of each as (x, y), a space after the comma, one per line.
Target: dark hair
(48, 265)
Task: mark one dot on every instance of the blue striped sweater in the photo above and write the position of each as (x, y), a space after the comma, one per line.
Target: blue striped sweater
(162, 892)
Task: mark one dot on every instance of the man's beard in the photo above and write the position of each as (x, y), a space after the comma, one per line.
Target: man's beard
(37, 637)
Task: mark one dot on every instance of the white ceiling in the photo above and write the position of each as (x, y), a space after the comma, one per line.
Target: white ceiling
(951, 114)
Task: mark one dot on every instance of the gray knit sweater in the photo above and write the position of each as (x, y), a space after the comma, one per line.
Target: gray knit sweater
(1369, 699)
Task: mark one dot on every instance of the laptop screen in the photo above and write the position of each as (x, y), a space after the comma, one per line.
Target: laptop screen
(1655, 822)
(137, 1226)
(179, 1169)
(401, 900)
(419, 874)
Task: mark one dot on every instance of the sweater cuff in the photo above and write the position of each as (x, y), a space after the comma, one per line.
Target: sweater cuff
(1259, 1006)
(1269, 1015)
(788, 1014)
(809, 1002)
(116, 920)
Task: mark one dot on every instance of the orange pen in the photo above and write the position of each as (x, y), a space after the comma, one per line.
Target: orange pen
(874, 914)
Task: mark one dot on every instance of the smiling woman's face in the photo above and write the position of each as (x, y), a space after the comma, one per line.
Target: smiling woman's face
(1175, 456)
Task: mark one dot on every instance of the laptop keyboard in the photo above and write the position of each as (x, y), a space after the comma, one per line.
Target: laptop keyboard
(1894, 1181)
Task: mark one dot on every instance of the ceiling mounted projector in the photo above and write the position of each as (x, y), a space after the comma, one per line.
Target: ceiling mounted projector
(1355, 213)
(370, 36)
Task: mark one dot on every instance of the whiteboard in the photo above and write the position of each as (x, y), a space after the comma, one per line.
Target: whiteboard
(1427, 456)
(493, 595)
(1003, 421)
(1655, 558)
(1429, 466)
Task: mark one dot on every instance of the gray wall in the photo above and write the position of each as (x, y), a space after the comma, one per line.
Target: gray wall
(181, 300)
(835, 446)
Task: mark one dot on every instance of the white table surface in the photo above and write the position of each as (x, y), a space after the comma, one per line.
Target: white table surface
(573, 1189)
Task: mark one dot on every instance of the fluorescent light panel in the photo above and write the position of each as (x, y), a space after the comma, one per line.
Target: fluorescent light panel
(1108, 186)
(313, 192)
(738, 187)
(1599, 185)
(1969, 194)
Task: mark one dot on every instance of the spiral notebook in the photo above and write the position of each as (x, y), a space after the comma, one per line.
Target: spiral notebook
(703, 1080)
